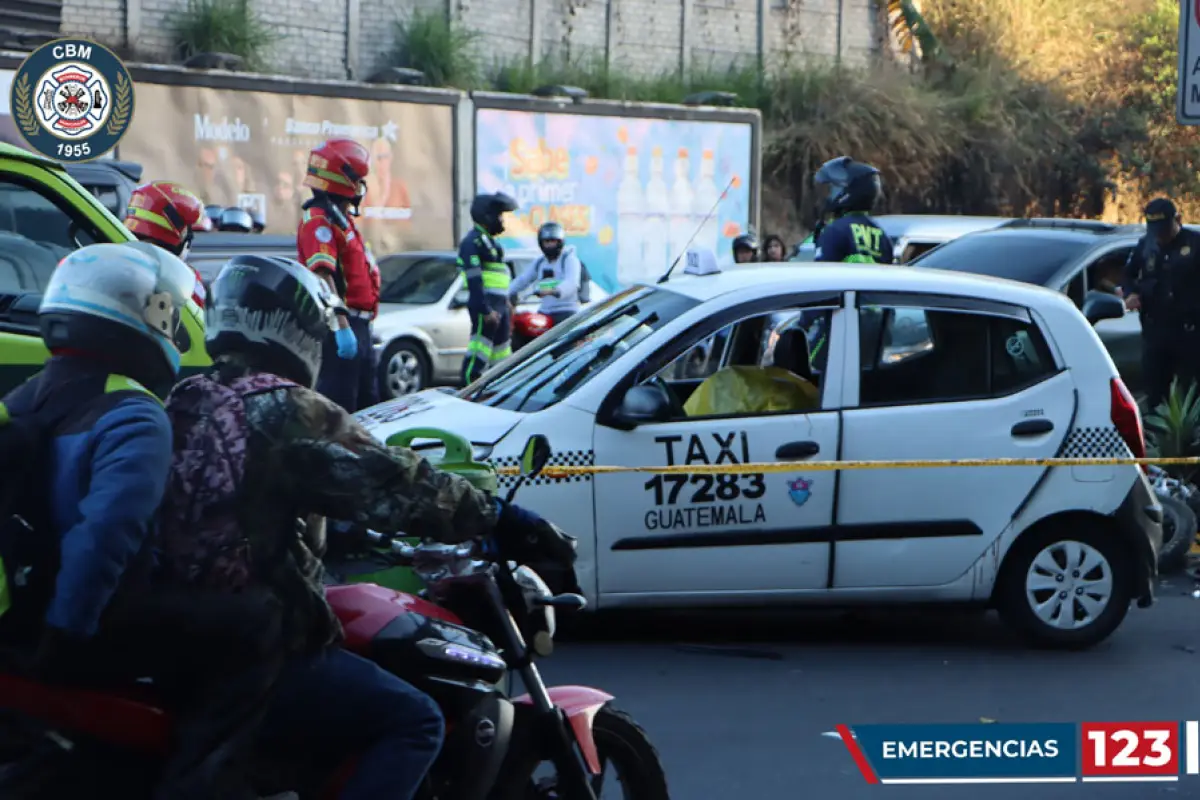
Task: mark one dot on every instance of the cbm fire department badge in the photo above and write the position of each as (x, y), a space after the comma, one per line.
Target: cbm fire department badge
(72, 100)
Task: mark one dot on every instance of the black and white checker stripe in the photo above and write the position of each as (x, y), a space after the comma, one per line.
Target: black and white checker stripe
(567, 458)
(1100, 442)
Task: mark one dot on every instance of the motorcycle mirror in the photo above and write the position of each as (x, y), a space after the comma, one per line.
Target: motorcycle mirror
(535, 455)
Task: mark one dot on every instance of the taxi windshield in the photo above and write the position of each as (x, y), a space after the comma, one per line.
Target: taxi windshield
(569, 355)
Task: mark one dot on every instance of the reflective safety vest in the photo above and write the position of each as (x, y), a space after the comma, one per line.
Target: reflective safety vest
(496, 277)
(480, 256)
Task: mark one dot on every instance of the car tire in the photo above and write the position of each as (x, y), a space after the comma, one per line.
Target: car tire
(1039, 561)
(403, 369)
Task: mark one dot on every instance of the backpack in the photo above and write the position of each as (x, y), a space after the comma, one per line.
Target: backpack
(25, 444)
(585, 283)
(28, 554)
(200, 536)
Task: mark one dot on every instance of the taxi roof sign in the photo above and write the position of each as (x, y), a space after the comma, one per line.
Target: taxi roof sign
(701, 261)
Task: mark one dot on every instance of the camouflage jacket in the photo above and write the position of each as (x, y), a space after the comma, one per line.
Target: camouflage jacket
(306, 458)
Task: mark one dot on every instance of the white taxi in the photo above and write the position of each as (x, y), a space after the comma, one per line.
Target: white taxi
(845, 363)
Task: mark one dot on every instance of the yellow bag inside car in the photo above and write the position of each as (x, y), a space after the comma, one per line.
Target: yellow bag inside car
(752, 390)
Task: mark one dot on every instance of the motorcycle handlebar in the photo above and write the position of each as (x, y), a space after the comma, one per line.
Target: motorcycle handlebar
(406, 553)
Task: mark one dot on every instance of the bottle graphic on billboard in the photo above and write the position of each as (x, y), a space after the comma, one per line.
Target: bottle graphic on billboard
(657, 237)
(630, 211)
(706, 196)
(682, 205)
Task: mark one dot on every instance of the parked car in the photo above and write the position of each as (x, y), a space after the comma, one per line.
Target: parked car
(914, 234)
(423, 327)
(111, 182)
(1076, 257)
(1011, 371)
(45, 214)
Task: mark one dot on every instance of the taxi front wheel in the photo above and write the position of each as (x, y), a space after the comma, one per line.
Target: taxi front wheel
(1065, 587)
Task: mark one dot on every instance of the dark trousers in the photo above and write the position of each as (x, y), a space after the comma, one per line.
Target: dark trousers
(352, 383)
(336, 704)
(1169, 355)
(214, 657)
(559, 317)
(490, 341)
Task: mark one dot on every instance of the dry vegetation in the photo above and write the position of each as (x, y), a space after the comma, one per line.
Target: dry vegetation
(1049, 107)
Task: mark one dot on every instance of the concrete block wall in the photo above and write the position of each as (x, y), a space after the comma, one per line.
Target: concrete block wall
(352, 38)
(101, 20)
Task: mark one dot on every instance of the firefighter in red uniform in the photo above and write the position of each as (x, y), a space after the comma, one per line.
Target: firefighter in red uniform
(166, 214)
(331, 246)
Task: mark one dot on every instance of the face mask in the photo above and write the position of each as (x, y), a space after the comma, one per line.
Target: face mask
(551, 248)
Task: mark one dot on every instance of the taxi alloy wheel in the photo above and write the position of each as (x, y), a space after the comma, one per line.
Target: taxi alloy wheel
(404, 369)
(1066, 588)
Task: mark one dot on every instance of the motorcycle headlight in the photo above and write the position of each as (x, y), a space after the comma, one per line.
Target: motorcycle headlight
(534, 589)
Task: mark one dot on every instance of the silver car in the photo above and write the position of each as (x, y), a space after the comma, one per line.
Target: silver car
(423, 327)
(915, 234)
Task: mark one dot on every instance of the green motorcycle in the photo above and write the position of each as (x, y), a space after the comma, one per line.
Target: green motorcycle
(376, 566)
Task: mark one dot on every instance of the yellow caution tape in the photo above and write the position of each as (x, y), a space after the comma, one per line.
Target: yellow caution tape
(557, 471)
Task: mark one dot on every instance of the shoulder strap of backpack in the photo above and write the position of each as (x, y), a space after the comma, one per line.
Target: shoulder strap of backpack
(260, 382)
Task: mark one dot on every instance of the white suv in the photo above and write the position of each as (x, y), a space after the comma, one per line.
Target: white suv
(907, 364)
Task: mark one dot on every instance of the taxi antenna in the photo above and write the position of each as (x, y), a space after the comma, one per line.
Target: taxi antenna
(699, 228)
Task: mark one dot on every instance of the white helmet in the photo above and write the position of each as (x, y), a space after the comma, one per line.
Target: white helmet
(122, 303)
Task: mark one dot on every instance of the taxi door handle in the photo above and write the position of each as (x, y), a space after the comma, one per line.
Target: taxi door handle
(1032, 427)
(794, 451)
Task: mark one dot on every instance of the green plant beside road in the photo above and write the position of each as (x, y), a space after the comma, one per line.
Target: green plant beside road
(224, 26)
(429, 42)
(1173, 429)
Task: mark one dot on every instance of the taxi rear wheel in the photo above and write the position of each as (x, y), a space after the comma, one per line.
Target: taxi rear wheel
(1066, 587)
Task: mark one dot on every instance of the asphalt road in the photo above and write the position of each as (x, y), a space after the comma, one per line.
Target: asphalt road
(737, 704)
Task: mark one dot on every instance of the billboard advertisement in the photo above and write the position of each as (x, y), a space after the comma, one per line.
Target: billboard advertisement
(630, 192)
(250, 149)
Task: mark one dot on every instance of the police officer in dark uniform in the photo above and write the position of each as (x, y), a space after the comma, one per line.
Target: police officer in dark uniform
(1162, 281)
(488, 280)
(853, 189)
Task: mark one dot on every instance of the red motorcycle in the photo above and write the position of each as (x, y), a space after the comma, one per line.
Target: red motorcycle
(483, 617)
(527, 326)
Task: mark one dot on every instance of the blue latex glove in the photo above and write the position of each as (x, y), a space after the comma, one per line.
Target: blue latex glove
(347, 343)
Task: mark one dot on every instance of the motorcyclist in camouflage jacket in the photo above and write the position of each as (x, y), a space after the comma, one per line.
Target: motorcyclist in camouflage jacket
(256, 449)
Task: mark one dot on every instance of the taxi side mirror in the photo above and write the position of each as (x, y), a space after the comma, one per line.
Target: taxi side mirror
(536, 455)
(644, 404)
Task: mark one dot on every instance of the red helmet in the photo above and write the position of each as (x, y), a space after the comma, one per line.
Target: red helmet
(163, 213)
(339, 167)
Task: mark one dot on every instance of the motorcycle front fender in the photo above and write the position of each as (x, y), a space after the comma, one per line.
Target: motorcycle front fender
(580, 704)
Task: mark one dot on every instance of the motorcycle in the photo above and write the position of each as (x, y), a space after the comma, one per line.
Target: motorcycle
(1179, 501)
(485, 615)
(527, 326)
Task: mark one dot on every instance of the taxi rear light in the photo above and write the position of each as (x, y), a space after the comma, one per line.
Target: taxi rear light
(1127, 419)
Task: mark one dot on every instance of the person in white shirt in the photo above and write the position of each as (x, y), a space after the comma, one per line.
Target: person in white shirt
(556, 276)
